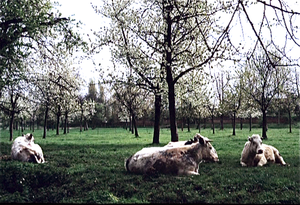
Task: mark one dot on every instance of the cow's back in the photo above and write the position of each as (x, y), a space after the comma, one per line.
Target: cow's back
(16, 149)
(166, 160)
(142, 161)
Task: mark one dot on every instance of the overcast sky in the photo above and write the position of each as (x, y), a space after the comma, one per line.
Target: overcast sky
(81, 10)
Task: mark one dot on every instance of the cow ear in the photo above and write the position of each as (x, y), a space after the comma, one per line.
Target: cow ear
(29, 137)
(201, 140)
(250, 139)
(195, 139)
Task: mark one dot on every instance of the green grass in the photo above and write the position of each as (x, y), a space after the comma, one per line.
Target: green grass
(88, 167)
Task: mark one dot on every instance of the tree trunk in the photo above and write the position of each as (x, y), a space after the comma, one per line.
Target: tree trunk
(199, 125)
(250, 122)
(169, 77)
(213, 123)
(81, 118)
(264, 127)
(290, 121)
(86, 126)
(172, 112)
(132, 123)
(57, 123)
(135, 127)
(233, 124)
(45, 122)
(66, 123)
(11, 123)
(157, 118)
(241, 123)
(222, 122)
(32, 125)
(188, 124)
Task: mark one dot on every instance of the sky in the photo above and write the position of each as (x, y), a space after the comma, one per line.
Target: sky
(83, 11)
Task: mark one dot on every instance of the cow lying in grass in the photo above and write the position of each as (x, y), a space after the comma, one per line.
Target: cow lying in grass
(192, 141)
(179, 160)
(24, 149)
(255, 153)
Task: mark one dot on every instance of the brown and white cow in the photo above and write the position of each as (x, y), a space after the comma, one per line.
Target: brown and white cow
(179, 160)
(255, 153)
(24, 149)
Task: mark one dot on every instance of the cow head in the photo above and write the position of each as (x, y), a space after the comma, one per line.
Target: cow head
(208, 151)
(29, 137)
(256, 144)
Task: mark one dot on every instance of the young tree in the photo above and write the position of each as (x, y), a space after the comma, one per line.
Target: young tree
(132, 99)
(289, 96)
(262, 80)
(222, 84)
(234, 100)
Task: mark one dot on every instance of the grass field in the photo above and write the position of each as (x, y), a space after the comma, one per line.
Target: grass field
(88, 167)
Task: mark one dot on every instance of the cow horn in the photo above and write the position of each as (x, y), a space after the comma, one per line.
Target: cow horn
(209, 140)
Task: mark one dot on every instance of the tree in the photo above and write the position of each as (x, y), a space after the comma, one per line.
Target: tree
(262, 80)
(13, 100)
(289, 96)
(29, 32)
(131, 98)
(86, 111)
(234, 100)
(221, 86)
(25, 25)
(184, 36)
(176, 43)
(142, 64)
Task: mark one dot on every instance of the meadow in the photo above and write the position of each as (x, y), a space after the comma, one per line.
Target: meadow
(88, 167)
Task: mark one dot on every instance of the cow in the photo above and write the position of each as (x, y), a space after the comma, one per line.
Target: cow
(255, 153)
(179, 160)
(24, 149)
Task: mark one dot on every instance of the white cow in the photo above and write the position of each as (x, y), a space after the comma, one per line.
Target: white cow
(24, 149)
(255, 153)
(179, 160)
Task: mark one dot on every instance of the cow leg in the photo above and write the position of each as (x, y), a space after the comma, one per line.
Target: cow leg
(243, 164)
(29, 149)
(192, 173)
(279, 158)
(262, 162)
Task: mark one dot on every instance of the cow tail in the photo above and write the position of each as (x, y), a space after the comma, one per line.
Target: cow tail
(126, 163)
